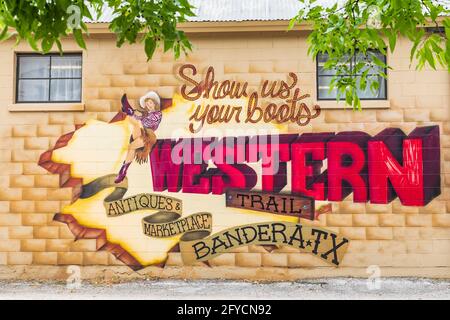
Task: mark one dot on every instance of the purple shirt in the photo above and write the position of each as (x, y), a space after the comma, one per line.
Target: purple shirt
(151, 120)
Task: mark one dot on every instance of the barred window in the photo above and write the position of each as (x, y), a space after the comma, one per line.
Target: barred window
(49, 78)
(324, 77)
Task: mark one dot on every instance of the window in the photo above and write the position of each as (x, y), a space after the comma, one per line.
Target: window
(50, 78)
(324, 77)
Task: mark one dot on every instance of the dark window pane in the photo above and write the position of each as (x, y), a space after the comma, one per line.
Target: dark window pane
(65, 90)
(369, 93)
(66, 67)
(324, 88)
(32, 90)
(34, 67)
(322, 58)
(373, 69)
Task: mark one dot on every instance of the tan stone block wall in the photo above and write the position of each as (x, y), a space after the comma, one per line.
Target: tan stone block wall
(404, 241)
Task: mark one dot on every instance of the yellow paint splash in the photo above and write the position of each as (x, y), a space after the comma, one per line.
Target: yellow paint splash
(97, 149)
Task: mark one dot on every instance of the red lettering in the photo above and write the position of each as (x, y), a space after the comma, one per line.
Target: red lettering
(379, 168)
(308, 153)
(411, 165)
(347, 168)
(165, 173)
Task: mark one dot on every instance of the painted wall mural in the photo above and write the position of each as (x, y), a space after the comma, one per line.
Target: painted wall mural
(215, 168)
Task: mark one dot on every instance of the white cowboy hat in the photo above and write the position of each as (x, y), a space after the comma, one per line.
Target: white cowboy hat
(149, 95)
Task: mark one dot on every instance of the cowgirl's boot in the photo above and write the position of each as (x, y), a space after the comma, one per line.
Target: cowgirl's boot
(122, 172)
(126, 107)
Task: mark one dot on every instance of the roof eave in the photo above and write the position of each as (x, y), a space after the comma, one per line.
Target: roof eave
(222, 26)
(230, 26)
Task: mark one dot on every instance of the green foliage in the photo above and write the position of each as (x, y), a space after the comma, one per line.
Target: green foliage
(42, 23)
(360, 26)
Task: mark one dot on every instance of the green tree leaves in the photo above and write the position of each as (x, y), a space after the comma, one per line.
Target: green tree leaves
(358, 27)
(154, 22)
(150, 46)
(42, 23)
(78, 35)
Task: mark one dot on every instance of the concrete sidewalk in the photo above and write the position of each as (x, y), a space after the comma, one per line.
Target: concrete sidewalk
(343, 288)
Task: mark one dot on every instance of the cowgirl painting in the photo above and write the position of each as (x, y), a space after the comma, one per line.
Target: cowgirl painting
(145, 120)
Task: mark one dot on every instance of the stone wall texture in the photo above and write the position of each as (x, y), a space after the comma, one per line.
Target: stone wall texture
(403, 241)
